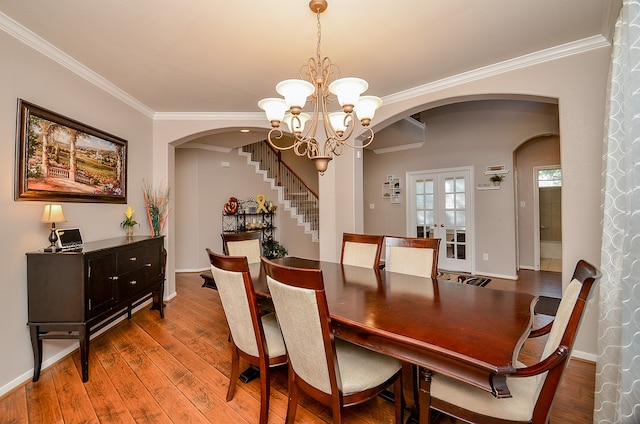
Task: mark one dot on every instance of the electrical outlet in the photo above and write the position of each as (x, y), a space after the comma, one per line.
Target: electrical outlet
(485, 256)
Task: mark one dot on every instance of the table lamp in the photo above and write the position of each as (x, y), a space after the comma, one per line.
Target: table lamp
(51, 215)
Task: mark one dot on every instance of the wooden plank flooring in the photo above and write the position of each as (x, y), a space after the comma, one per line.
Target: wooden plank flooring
(148, 370)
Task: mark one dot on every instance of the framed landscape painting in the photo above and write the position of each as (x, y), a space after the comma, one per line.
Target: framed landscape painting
(60, 159)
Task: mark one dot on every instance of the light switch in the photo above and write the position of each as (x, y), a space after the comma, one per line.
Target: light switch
(372, 205)
(225, 164)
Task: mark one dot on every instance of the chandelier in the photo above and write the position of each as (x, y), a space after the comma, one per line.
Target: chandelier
(318, 81)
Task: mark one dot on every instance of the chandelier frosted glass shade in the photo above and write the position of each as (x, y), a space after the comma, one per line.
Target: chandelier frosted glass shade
(319, 86)
(348, 91)
(295, 92)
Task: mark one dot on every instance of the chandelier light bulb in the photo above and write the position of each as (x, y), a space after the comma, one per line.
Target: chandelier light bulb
(295, 93)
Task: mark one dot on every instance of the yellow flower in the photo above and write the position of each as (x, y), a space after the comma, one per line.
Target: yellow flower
(129, 212)
(128, 221)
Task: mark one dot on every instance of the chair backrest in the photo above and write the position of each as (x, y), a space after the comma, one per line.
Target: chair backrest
(362, 250)
(563, 333)
(414, 256)
(247, 243)
(301, 305)
(235, 287)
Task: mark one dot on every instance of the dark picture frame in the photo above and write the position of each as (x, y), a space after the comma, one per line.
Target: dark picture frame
(60, 159)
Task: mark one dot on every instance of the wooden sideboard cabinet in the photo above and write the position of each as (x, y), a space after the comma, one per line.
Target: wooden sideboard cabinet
(74, 294)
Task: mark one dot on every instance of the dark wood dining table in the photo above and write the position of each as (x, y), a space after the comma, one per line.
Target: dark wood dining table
(466, 332)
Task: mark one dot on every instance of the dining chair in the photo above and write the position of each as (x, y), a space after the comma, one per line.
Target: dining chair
(361, 250)
(413, 256)
(533, 387)
(245, 243)
(332, 371)
(256, 338)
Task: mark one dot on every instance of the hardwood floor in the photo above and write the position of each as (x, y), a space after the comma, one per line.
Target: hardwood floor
(148, 370)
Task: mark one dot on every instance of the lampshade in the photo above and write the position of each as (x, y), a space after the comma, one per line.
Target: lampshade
(53, 214)
(274, 108)
(366, 108)
(296, 126)
(348, 90)
(337, 122)
(295, 92)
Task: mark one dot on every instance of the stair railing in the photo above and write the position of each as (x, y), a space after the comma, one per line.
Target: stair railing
(300, 196)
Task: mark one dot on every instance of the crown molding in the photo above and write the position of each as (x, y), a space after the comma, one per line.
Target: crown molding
(209, 116)
(39, 44)
(542, 56)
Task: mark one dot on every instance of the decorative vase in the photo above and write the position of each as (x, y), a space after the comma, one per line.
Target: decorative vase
(129, 231)
(496, 183)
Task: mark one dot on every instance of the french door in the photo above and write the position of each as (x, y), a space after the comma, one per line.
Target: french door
(439, 205)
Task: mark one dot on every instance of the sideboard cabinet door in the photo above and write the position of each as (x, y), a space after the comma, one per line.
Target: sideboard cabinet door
(101, 288)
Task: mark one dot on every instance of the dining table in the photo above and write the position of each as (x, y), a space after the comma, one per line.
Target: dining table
(462, 331)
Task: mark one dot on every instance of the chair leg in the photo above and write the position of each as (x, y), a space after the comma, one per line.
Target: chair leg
(265, 393)
(235, 371)
(425, 395)
(293, 398)
(397, 400)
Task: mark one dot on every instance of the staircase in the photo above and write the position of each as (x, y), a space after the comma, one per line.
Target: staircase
(293, 193)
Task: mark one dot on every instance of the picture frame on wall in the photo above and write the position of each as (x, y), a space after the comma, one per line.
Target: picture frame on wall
(60, 159)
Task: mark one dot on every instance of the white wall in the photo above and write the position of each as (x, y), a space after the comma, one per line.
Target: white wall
(31, 76)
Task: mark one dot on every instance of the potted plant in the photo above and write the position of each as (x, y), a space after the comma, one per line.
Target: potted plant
(271, 249)
(497, 179)
(128, 223)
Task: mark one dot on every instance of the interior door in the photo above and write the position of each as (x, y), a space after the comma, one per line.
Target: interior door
(439, 206)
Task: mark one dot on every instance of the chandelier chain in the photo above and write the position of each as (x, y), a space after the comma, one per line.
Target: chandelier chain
(319, 33)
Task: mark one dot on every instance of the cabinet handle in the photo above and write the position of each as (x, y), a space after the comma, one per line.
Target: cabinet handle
(133, 282)
(149, 265)
(115, 277)
(133, 259)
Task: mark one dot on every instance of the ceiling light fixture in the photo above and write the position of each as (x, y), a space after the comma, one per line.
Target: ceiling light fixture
(319, 83)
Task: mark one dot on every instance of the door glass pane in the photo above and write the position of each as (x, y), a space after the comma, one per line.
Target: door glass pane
(460, 184)
(460, 201)
(424, 207)
(449, 201)
(460, 219)
(449, 220)
(449, 185)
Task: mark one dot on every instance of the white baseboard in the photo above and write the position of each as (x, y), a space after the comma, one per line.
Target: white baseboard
(585, 356)
(193, 269)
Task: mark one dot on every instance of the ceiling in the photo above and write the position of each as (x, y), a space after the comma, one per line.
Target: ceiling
(207, 56)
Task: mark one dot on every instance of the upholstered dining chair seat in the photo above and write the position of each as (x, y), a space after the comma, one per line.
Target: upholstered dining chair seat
(273, 336)
(517, 408)
(362, 369)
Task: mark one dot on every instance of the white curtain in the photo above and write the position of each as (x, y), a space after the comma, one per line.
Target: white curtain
(617, 394)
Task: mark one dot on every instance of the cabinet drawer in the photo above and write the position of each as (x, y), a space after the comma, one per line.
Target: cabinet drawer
(131, 259)
(131, 283)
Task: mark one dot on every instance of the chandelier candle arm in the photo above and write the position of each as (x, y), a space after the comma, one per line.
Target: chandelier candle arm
(320, 88)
